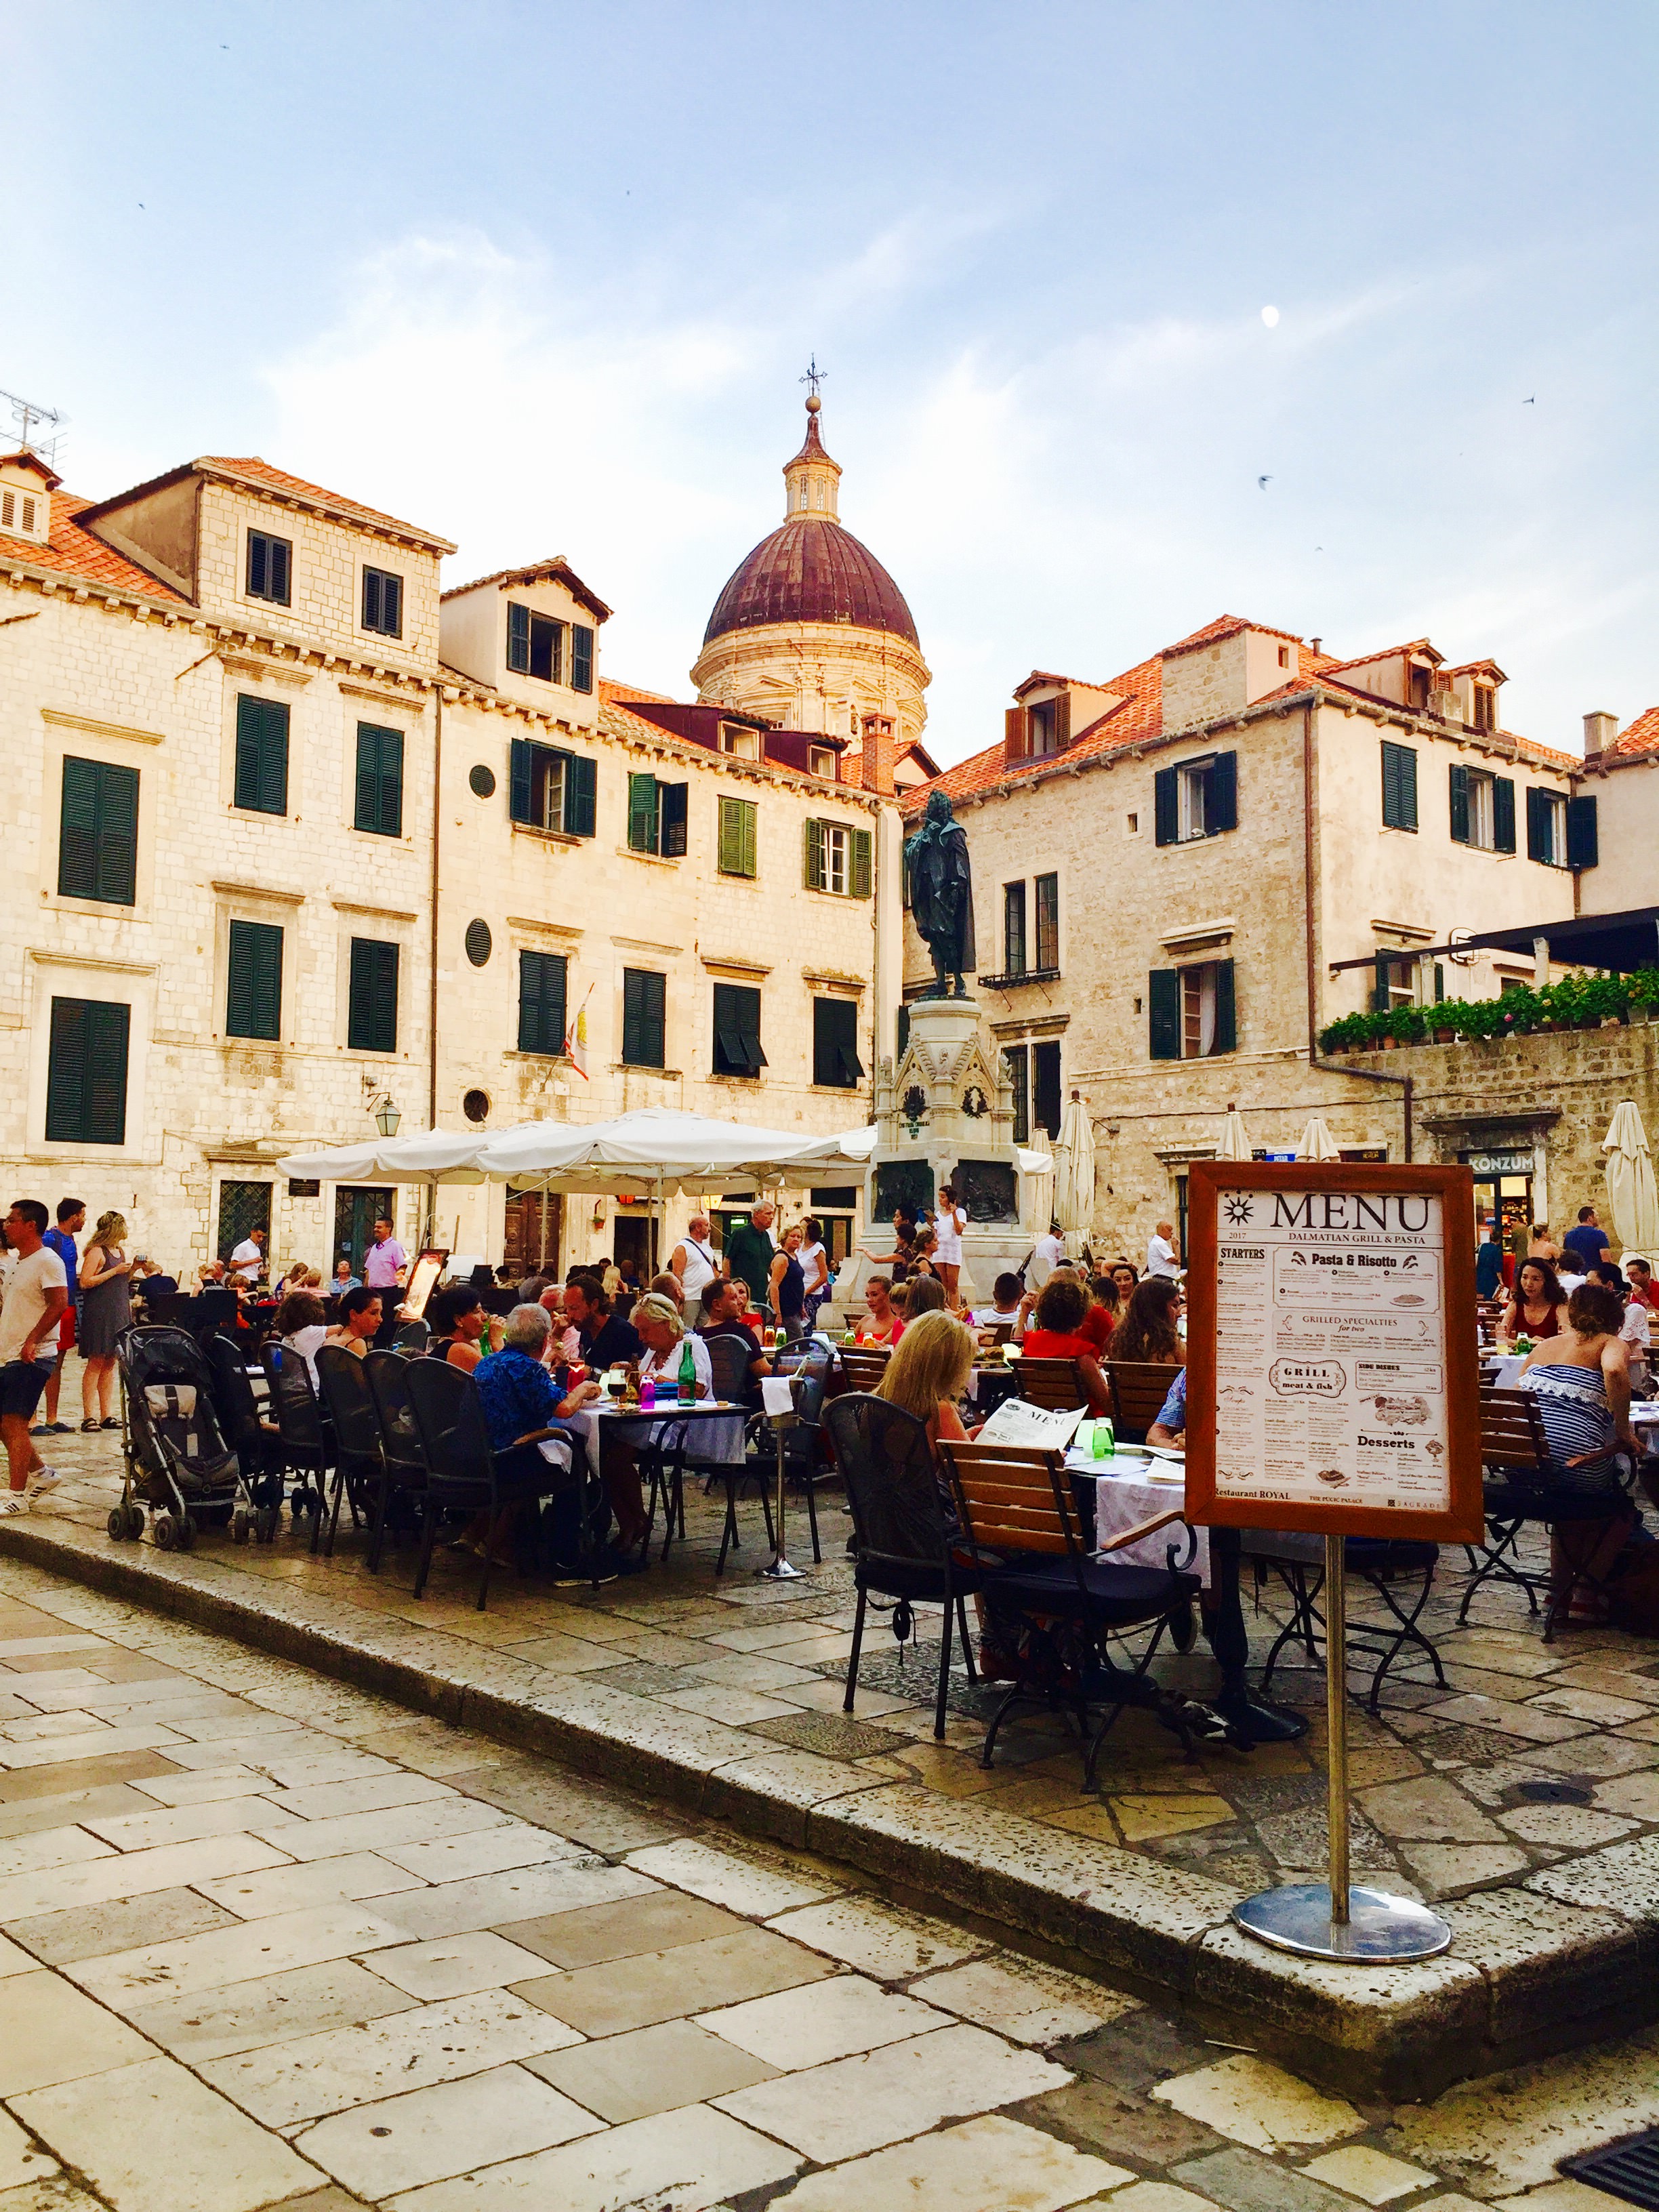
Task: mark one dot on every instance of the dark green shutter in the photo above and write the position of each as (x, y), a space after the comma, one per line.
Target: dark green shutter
(1221, 801)
(1047, 923)
(1163, 1013)
(1459, 804)
(380, 780)
(1013, 929)
(1166, 808)
(98, 832)
(541, 1002)
(862, 868)
(1503, 814)
(580, 795)
(253, 991)
(1226, 1013)
(519, 803)
(518, 637)
(644, 1009)
(814, 863)
(673, 813)
(835, 1043)
(736, 838)
(1380, 1000)
(1539, 810)
(1584, 849)
(641, 814)
(581, 657)
(1045, 1087)
(372, 1020)
(736, 1031)
(1399, 786)
(261, 754)
(86, 1072)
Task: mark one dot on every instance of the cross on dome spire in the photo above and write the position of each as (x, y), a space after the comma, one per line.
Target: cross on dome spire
(812, 478)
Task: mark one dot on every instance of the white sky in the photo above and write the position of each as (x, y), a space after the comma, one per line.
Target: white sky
(544, 278)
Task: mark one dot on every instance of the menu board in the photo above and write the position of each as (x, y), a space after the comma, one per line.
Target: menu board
(1333, 1349)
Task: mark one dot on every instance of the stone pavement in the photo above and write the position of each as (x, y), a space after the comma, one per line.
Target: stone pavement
(270, 1941)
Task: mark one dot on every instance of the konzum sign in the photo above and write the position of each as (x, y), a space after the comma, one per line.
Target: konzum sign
(1332, 1380)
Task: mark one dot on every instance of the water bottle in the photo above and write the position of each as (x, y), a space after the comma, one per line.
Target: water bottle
(1102, 1440)
(648, 1395)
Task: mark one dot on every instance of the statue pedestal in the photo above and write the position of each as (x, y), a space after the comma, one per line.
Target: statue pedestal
(945, 1114)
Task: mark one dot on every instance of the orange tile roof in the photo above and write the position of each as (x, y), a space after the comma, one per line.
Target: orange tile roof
(1641, 736)
(73, 552)
(1224, 626)
(250, 469)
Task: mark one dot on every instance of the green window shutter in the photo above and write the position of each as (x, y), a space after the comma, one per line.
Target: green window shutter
(581, 657)
(1459, 804)
(672, 817)
(117, 835)
(1399, 786)
(751, 855)
(372, 1018)
(1047, 923)
(86, 1072)
(736, 1031)
(1407, 787)
(1583, 848)
(814, 863)
(1226, 1014)
(253, 992)
(1164, 1013)
(645, 994)
(1439, 983)
(77, 829)
(580, 795)
(380, 780)
(1013, 928)
(1016, 1060)
(261, 754)
(1538, 825)
(98, 832)
(1503, 814)
(518, 637)
(1045, 1087)
(641, 814)
(1380, 1000)
(836, 1060)
(1166, 808)
(542, 978)
(863, 869)
(519, 802)
(736, 838)
(1221, 801)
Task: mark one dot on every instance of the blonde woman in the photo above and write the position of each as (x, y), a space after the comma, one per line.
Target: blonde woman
(106, 1289)
(786, 1290)
(928, 1372)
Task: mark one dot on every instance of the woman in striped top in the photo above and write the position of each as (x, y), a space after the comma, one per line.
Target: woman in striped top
(1582, 1382)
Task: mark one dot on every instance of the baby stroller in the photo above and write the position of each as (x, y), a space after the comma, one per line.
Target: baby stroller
(177, 1458)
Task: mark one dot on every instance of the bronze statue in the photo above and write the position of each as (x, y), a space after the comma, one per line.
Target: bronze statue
(942, 896)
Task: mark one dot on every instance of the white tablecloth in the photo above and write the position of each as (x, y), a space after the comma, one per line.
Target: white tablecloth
(1124, 1494)
(1504, 1373)
(1645, 1419)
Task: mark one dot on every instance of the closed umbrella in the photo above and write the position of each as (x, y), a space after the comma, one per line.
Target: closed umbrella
(1074, 1168)
(1317, 1142)
(1631, 1191)
(1235, 1137)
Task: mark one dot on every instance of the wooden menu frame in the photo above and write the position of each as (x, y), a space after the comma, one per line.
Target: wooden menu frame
(1463, 1522)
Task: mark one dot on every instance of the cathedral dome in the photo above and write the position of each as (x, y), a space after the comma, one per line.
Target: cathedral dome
(811, 569)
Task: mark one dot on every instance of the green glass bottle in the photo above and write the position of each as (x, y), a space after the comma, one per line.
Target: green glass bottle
(688, 1376)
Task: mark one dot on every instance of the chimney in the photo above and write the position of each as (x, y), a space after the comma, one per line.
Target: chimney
(1315, 644)
(876, 761)
(1599, 730)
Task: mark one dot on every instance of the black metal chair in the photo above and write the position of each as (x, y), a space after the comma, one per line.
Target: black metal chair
(307, 1450)
(905, 1534)
(729, 1363)
(806, 1462)
(1021, 1527)
(257, 1441)
(1380, 1562)
(1577, 1505)
(358, 1472)
(403, 1469)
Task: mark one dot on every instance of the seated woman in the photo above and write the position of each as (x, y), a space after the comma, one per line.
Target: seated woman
(1062, 1307)
(1102, 1317)
(359, 1323)
(928, 1373)
(301, 1327)
(1539, 1308)
(880, 1325)
(660, 1322)
(525, 1405)
(1581, 1379)
(1148, 1332)
(923, 1294)
(460, 1325)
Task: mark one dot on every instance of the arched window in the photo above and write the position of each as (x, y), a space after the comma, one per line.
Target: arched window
(804, 493)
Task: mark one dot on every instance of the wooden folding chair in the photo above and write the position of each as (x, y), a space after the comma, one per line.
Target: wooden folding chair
(1139, 1389)
(1532, 1486)
(1056, 1385)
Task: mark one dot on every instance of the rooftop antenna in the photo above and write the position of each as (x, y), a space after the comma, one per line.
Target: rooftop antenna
(27, 415)
(814, 377)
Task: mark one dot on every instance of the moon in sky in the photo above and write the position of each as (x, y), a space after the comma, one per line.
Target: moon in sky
(1270, 316)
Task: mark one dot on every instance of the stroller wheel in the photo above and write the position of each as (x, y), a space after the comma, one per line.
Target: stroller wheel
(265, 1524)
(240, 1522)
(166, 1533)
(117, 1524)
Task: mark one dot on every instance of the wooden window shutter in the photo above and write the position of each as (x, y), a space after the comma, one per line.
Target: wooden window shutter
(391, 605)
(1538, 823)
(1013, 928)
(1062, 721)
(751, 820)
(261, 754)
(1164, 1013)
(372, 1018)
(1503, 814)
(1459, 804)
(542, 1002)
(77, 829)
(641, 814)
(1015, 733)
(518, 785)
(814, 863)
(1221, 802)
(86, 1072)
(518, 637)
(1226, 1012)
(1583, 848)
(1380, 999)
(253, 992)
(632, 979)
(581, 657)
(581, 779)
(1166, 808)
(380, 780)
(98, 832)
(1045, 1086)
(736, 838)
(1047, 923)
(1439, 983)
(673, 820)
(861, 864)
(1399, 786)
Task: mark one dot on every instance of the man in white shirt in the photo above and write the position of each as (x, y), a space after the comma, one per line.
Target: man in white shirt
(249, 1257)
(696, 1262)
(1161, 1257)
(36, 1293)
(1050, 1253)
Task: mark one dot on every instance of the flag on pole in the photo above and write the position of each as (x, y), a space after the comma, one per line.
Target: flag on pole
(576, 1039)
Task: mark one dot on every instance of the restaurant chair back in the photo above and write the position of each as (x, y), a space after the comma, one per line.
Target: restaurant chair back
(863, 1365)
(1584, 1511)
(305, 1445)
(350, 1404)
(1139, 1389)
(1056, 1385)
(401, 1466)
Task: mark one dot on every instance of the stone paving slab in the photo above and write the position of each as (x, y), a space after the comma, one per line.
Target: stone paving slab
(1528, 1784)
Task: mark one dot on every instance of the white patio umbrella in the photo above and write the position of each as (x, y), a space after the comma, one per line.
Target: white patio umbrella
(1631, 1191)
(853, 1148)
(429, 1156)
(1074, 1168)
(656, 1149)
(1317, 1142)
(1234, 1138)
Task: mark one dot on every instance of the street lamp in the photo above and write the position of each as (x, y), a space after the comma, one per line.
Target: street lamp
(388, 1117)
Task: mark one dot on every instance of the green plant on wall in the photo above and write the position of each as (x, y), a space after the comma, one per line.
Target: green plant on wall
(1575, 999)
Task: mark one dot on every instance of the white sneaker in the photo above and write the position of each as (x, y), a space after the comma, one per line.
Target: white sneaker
(13, 1501)
(43, 1479)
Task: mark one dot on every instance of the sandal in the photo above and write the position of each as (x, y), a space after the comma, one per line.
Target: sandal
(88, 1428)
(109, 1421)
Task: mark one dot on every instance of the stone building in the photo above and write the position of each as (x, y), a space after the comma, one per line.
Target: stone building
(1207, 858)
(297, 835)
(1629, 872)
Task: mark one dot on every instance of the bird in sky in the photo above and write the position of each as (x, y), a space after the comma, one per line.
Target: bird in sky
(1261, 483)
(1533, 402)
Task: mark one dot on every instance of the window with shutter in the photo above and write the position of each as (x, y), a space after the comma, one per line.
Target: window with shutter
(642, 812)
(1164, 1013)
(1017, 1058)
(836, 1060)
(518, 638)
(1014, 734)
(645, 998)
(861, 854)
(1503, 814)
(1583, 845)
(580, 795)
(736, 838)
(814, 864)
(253, 981)
(1221, 807)
(1013, 929)
(581, 657)
(1045, 1087)
(533, 643)
(736, 1031)
(269, 566)
(372, 1015)
(1399, 786)
(261, 754)
(1459, 804)
(383, 602)
(1047, 923)
(86, 1072)
(673, 820)
(98, 832)
(380, 780)
(1166, 808)
(1226, 1014)
(1538, 825)
(542, 980)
